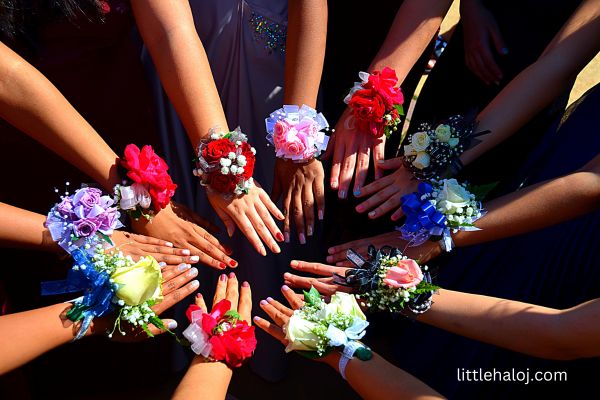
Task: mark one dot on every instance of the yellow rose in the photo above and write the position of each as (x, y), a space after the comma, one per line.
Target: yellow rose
(299, 334)
(443, 133)
(140, 282)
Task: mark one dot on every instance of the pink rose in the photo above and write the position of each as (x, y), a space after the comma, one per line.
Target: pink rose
(280, 132)
(405, 275)
(293, 147)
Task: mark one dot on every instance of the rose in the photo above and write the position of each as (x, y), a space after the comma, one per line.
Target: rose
(422, 160)
(217, 149)
(280, 132)
(299, 334)
(367, 106)
(384, 83)
(162, 192)
(85, 227)
(420, 141)
(293, 147)
(222, 183)
(443, 133)
(405, 274)
(250, 157)
(65, 207)
(345, 304)
(87, 197)
(453, 195)
(108, 221)
(453, 142)
(139, 283)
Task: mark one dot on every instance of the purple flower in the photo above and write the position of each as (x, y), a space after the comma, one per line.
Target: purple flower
(65, 207)
(87, 197)
(85, 227)
(108, 220)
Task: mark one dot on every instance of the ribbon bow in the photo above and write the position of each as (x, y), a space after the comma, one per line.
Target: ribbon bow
(422, 218)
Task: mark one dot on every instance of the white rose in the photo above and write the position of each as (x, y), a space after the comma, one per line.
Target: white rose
(453, 142)
(139, 283)
(422, 160)
(443, 133)
(344, 303)
(455, 194)
(420, 141)
(299, 333)
(409, 150)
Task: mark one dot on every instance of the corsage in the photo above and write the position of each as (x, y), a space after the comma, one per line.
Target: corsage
(434, 151)
(111, 283)
(376, 102)
(151, 187)
(388, 281)
(225, 162)
(220, 335)
(83, 220)
(438, 209)
(297, 133)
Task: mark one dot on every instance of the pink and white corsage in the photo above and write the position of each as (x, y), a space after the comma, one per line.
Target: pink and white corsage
(297, 132)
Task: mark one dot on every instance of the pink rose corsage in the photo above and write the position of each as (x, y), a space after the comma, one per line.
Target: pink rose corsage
(297, 132)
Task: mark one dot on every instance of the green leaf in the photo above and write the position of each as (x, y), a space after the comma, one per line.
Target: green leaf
(399, 108)
(106, 238)
(481, 191)
(232, 314)
(145, 328)
(312, 297)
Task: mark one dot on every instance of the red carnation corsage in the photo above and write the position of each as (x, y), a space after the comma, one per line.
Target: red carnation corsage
(225, 162)
(376, 102)
(151, 187)
(221, 335)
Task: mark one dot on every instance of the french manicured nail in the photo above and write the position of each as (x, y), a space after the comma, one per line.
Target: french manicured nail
(342, 194)
(193, 272)
(194, 258)
(231, 275)
(172, 325)
(256, 318)
(185, 252)
(357, 192)
(302, 238)
(285, 287)
(233, 263)
(245, 284)
(360, 208)
(168, 244)
(279, 236)
(222, 265)
(504, 51)
(321, 215)
(372, 214)
(309, 230)
(263, 303)
(162, 264)
(183, 267)
(287, 237)
(223, 277)
(195, 284)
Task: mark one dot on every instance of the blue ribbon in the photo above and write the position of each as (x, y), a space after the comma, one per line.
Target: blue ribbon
(422, 219)
(96, 285)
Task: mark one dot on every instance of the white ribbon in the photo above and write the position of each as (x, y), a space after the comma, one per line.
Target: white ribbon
(197, 337)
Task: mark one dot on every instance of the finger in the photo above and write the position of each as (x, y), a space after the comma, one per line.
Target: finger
(277, 316)
(336, 165)
(272, 207)
(264, 233)
(247, 228)
(171, 259)
(482, 68)
(212, 248)
(344, 264)
(175, 297)
(171, 271)
(377, 199)
(169, 324)
(180, 280)
(295, 300)
(297, 210)
(392, 163)
(390, 204)
(245, 303)
(232, 294)
(397, 214)
(319, 190)
(497, 39)
(362, 167)
(199, 300)
(287, 209)
(227, 220)
(313, 268)
(143, 239)
(308, 208)
(221, 289)
(303, 282)
(378, 155)
(376, 186)
(280, 307)
(264, 215)
(347, 170)
(474, 66)
(270, 328)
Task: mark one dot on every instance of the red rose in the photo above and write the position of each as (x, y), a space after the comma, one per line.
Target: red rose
(217, 149)
(368, 109)
(222, 183)
(250, 160)
(161, 194)
(384, 83)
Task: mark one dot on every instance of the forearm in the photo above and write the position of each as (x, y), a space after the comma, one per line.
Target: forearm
(377, 378)
(525, 328)
(415, 25)
(169, 33)
(32, 104)
(305, 50)
(22, 228)
(204, 380)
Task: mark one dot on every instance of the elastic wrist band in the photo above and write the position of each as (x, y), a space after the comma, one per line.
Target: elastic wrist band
(347, 355)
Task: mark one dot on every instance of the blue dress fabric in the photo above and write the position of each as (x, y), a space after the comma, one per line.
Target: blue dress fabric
(554, 267)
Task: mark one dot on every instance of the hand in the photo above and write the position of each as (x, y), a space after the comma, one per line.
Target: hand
(250, 213)
(137, 246)
(186, 213)
(352, 151)
(186, 235)
(480, 33)
(386, 193)
(279, 313)
(325, 285)
(176, 286)
(422, 253)
(302, 186)
(227, 288)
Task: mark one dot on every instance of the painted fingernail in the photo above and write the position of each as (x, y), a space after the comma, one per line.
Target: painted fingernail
(198, 295)
(309, 230)
(504, 51)
(357, 192)
(228, 250)
(269, 299)
(294, 263)
(285, 287)
(222, 265)
(321, 215)
(233, 263)
(302, 238)
(372, 214)
(395, 217)
(329, 258)
(331, 250)
(279, 236)
(193, 272)
(342, 194)
(185, 252)
(183, 267)
(256, 318)
(287, 275)
(231, 275)
(360, 208)
(195, 284)
(172, 324)
(263, 302)
(245, 284)
(287, 237)
(223, 277)
(162, 264)
(168, 244)
(194, 258)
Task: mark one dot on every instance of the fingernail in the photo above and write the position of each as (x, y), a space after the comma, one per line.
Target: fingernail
(302, 238)
(198, 295)
(395, 217)
(329, 258)
(380, 161)
(223, 277)
(228, 250)
(276, 248)
(372, 214)
(162, 264)
(229, 232)
(360, 208)
(285, 287)
(504, 51)
(195, 284)
(287, 237)
(193, 272)
(256, 318)
(320, 215)
(357, 192)
(245, 284)
(222, 265)
(195, 258)
(334, 184)
(331, 250)
(309, 230)
(263, 251)
(269, 299)
(168, 244)
(293, 263)
(287, 275)
(279, 236)
(185, 252)
(342, 194)
(263, 302)
(233, 263)
(183, 267)
(231, 275)
(172, 324)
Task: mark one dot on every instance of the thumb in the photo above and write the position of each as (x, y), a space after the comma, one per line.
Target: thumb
(392, 163)
(498, 40)
(169, 324)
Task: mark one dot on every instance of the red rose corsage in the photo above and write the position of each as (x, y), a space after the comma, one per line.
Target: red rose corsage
(225, 162)
(376, 102)
(151, 186)
(221, 335)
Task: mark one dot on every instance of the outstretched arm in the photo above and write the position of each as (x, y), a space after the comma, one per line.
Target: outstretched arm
(22, 228)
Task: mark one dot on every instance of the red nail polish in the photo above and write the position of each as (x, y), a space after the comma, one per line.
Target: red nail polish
(223, 277)
(199, 295)
(233, 263)
(222, 265)
(279, 236)
(228, 250)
